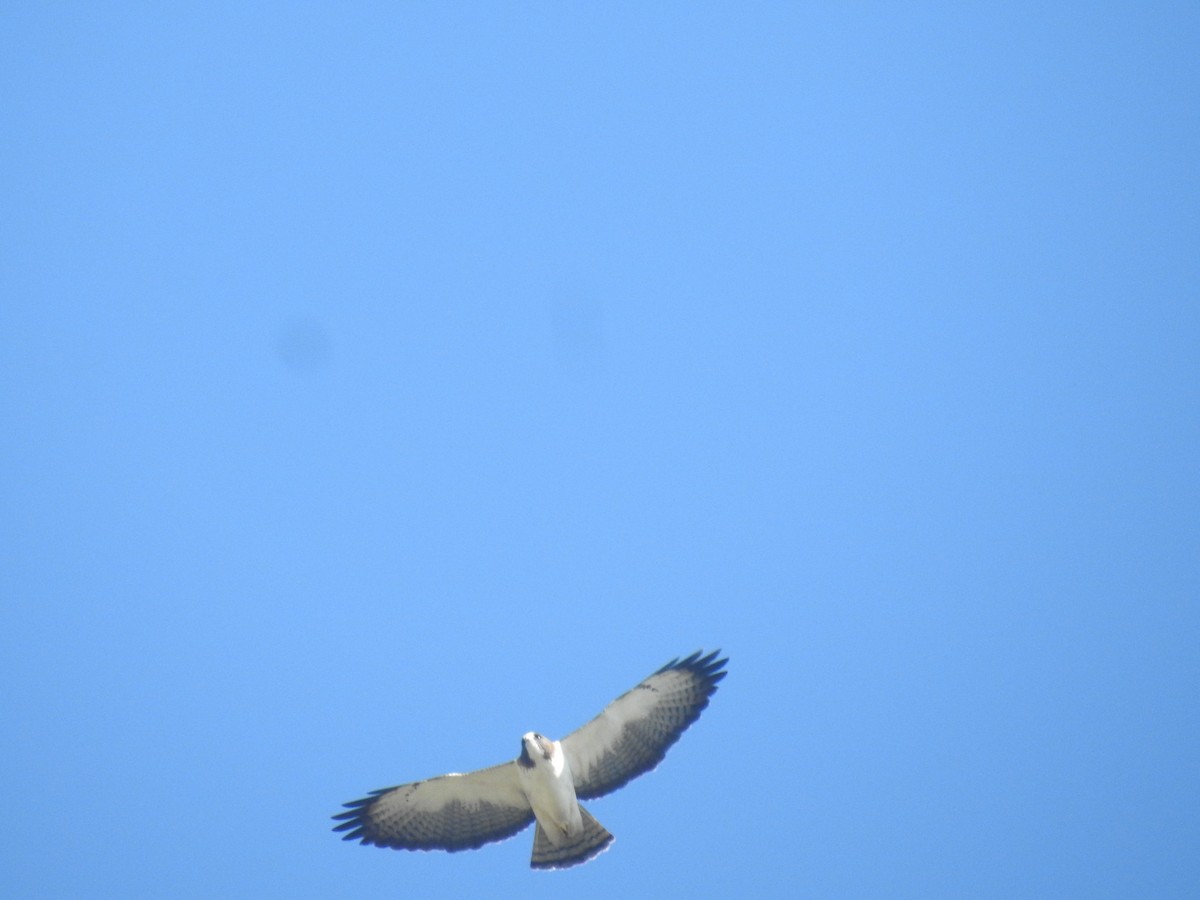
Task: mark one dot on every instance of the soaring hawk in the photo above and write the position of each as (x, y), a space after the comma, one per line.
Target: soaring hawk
(547, 780)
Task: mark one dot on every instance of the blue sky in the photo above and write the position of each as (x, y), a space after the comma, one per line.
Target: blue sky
(382, 383)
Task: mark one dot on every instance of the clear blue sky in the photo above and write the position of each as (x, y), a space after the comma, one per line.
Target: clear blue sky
(381, 383)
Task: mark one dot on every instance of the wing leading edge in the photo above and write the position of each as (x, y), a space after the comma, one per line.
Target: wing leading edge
(633, 733)
(450, 812)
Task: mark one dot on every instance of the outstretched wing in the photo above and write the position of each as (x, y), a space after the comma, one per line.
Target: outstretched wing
(451, 812)
(635, 731)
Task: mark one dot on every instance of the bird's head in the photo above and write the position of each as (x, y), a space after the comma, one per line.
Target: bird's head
(535, 746)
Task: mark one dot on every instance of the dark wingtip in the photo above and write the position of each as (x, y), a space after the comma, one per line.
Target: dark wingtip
(707, 666)
(354, 820)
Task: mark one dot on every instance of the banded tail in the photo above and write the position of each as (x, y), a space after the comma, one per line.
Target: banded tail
(591, 841)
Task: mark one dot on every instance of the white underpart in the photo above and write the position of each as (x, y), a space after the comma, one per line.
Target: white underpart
(550, 790)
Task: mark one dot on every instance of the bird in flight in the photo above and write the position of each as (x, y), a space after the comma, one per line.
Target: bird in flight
(547, 780)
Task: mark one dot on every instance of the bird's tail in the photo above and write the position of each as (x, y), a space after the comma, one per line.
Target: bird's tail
(591, 840)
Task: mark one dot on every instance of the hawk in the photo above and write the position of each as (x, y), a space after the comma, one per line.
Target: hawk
(547, 780)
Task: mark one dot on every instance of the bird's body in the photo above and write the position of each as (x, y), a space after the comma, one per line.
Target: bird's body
(566, 832)
(547, 780)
